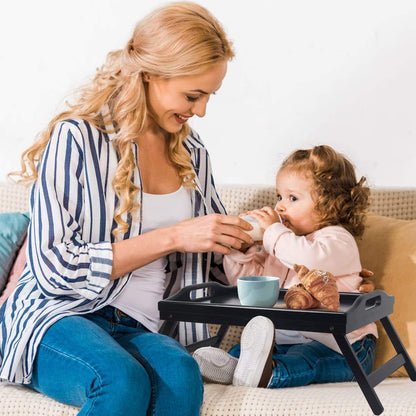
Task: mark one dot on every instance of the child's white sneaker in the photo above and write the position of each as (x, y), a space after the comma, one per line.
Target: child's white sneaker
(255, 365)
(215, 364)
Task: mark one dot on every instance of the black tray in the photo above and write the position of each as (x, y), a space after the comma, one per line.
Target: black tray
(219, 304)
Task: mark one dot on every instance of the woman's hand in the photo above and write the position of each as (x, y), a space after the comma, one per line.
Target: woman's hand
(266, 216)
(214, 232)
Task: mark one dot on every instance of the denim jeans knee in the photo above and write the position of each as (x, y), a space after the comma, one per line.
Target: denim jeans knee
(116, 369)
(177, 382)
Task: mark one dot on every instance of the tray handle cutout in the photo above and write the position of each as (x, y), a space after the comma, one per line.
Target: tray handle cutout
(199, 292)
(372, 303)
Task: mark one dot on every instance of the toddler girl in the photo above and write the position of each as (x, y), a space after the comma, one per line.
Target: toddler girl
(320, 209)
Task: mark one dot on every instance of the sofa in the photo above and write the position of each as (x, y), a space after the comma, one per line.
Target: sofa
(388, 248)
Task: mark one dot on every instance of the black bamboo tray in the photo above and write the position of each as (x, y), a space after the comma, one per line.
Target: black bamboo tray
(218, 304)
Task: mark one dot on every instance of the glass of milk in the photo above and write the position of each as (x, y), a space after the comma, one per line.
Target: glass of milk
(256, 233)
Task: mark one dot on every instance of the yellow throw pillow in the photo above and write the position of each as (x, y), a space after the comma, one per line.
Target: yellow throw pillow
(388, 248)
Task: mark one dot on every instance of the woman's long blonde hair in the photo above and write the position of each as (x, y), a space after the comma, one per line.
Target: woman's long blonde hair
(178, 39)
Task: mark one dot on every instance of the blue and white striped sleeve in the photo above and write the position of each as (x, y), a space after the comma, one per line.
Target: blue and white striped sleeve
(217, 272)
(215, 205)
(65, 259)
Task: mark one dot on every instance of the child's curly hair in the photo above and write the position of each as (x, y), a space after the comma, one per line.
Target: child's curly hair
(339, 198)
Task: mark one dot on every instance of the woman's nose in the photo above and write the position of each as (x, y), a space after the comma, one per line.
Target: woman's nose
(200, 107)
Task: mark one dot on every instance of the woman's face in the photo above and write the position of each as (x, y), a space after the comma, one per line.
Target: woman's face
(173, 101)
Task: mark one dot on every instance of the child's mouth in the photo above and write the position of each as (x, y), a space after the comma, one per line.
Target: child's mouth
(282, 220)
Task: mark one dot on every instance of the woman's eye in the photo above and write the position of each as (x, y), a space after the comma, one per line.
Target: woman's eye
(191, 99)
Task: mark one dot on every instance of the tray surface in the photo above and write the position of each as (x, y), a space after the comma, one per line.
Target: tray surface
(216, 303)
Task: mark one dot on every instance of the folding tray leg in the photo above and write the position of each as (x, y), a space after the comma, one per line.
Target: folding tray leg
(169, 328)
(214, 341)
(399, 347)
(360, 374)
(219, 336)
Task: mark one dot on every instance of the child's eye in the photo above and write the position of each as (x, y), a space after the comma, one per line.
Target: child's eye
(293, 198)
(191, 99)
(279, 197)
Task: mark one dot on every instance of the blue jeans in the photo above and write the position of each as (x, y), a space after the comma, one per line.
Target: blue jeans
(313, 362)
(113, 366)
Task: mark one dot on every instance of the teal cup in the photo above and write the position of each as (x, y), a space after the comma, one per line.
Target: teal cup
(258, 290)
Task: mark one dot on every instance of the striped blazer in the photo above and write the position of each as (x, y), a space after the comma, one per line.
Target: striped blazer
(69, 254)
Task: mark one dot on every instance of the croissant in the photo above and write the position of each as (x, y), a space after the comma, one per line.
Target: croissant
(322, 285)
(297, 297)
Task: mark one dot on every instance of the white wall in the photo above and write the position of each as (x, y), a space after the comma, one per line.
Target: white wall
(306, 72)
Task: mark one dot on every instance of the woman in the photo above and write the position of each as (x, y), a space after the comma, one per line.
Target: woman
(123, 212)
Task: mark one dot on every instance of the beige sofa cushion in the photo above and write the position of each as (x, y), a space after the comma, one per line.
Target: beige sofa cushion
(388, 248)
(341, 399)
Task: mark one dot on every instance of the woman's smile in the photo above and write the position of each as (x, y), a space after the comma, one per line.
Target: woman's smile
(181, 119)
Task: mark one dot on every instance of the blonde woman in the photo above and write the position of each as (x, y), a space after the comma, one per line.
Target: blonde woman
(123, 212)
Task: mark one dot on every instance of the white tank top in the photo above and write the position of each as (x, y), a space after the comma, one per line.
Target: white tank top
(145, 288)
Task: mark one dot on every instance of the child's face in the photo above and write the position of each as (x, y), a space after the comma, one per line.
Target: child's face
(295, 204)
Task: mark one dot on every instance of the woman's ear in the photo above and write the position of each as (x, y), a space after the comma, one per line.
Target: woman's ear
(146, 77)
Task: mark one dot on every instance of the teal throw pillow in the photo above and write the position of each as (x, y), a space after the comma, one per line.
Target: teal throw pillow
(13, 229)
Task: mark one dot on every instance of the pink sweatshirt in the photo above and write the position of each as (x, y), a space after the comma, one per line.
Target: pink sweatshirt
(331, 248)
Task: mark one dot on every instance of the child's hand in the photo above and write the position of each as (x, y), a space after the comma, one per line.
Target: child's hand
(266, 216)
